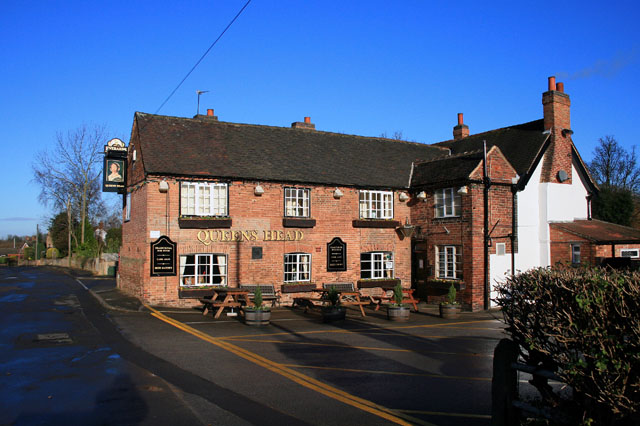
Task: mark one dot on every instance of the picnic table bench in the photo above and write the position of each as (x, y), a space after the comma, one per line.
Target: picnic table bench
(269, 293)
(225, 297)
(348, 296)
(387, 296)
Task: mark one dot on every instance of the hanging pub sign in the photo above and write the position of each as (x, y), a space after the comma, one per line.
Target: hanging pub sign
(336, 255)
(163, 257)
(114, 170)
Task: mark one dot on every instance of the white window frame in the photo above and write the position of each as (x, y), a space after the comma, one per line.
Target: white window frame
(380, 265)
(300, 267)
(296, 202)
(635, 255)
(208, 199)
(501, 249)
(127, 208)
(376, 204)
(447, 202)
(576, 256)
(197, 274)
(448, 262)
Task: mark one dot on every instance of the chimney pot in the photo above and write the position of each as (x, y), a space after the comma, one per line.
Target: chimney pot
(307, 120)
(560, 87)
(552, 83)
(460, 120)
(210, 112)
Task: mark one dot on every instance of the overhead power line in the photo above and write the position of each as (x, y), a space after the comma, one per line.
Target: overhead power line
(203, 56)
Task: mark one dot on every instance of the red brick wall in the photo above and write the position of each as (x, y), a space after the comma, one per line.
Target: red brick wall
(556, 108)
(334, 218)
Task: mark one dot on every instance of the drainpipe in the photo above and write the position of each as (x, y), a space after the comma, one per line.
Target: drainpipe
(514, 229)
(487, 184)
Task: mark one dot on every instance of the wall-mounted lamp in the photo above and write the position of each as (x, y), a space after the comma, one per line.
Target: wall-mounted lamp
(407, 229)
(403, 196)
(422, 196)
(337, 194)
(134, 156)
(259, 190)
(163, 187)
(463, 190)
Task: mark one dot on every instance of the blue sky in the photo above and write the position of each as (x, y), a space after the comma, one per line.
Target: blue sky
(355, 67)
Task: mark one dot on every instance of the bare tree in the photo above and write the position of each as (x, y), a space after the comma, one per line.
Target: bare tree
(615, 167)
(69, 173)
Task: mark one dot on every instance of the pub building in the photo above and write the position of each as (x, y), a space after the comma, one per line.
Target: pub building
(210, 203)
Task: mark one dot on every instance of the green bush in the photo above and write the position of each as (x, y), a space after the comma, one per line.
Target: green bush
(53, 253)
(397, 295)
(584, 325)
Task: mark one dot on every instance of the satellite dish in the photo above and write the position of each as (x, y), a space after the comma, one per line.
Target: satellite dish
(562, 176)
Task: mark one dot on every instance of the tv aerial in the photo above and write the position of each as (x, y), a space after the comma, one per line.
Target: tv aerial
(200, 92)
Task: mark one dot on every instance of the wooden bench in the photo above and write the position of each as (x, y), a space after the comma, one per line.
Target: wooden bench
(269, 293)
(339, 286)
(209, 305)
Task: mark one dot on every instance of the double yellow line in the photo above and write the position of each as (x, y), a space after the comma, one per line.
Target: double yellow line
(297, 377)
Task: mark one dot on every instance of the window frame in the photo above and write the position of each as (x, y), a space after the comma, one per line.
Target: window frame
(381, 272)
(454, 203)
(635, 256)
(196, 270)
(456, 262)
(573, 254)
(501, 249)
(306, 192)
(299, 271)
(368, 193)
(212, 206)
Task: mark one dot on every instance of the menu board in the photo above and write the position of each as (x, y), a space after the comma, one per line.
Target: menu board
(336, 255)
(163, 257)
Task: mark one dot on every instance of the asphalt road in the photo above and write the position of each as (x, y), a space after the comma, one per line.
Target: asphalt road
(66, 359)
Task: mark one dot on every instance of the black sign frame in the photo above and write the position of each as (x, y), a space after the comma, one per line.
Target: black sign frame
(336, 255)
(114, 168)
(163, 257)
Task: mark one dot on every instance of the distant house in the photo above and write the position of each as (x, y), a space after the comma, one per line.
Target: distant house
(297, 207)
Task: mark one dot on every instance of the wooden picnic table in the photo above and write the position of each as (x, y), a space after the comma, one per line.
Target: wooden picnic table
(407, 297)
(346, 298)
(225, 297)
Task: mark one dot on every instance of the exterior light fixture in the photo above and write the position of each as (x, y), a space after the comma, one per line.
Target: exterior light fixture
(422, 196)
(403, 196)
(163, 187)
(259, 190)
(407, 229)
(337, 194)
(463, 190)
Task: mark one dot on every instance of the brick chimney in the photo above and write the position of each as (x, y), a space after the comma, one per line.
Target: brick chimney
(461, 130)
(307, 124)
(209, 116)
(557, 121)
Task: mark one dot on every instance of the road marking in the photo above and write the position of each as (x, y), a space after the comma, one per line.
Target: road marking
(306, 381)
(392, 373)
(82, 284)
(371, 348)
(442, 413)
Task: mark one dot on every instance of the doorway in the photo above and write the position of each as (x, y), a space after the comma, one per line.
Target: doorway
(420, 269)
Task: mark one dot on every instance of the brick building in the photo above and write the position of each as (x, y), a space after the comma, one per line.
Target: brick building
(249, 204)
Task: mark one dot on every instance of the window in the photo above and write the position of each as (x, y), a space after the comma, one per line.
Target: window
(203, 199)
(575, 253)
(127, 208)
(501, 249)
(447, 202)
(376, 205)
(296, 202)
(376, 265)
(297, 267)
(203, 269)
(449, 262)
(630, 253)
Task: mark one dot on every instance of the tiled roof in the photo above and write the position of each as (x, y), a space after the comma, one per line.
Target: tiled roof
(211, 148)
(599, 231)
(520, 144)
(446, 170)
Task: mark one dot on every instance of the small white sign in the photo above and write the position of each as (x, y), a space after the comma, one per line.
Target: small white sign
(388, 265)
(154, 234)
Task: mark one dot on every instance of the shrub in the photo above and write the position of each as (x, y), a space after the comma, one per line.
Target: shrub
(397, 295)
(333, 296)
(257, 298)
(584, 325)
(451, 296)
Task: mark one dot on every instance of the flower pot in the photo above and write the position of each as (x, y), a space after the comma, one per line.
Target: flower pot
(450, 311)
(257, 316)
(333, 313)
(398, 313)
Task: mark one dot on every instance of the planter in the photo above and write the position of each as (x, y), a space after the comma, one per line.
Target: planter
(398, 313)
(445, 284)
(375, 223)
(450, 311)
(291, 222)
(386, 284)
(257, 316)
(194, 223)
(333, 313)
(297, 288)
(195, 293)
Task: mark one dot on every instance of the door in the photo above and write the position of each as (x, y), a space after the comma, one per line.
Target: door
(419, 265)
